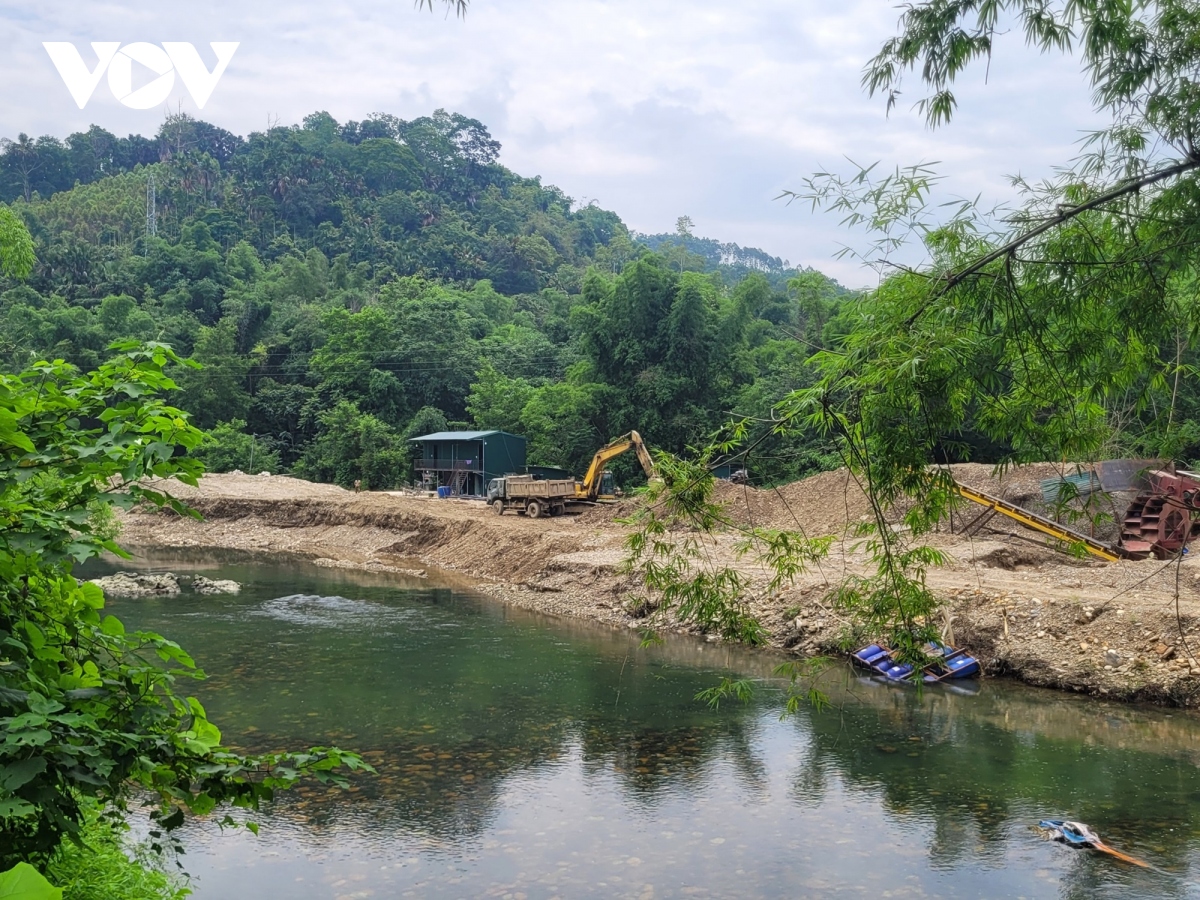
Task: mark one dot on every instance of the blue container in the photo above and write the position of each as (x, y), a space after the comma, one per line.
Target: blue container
(443, 492)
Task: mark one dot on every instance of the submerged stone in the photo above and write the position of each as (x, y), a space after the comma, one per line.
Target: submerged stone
(202, 585)
(131, 584)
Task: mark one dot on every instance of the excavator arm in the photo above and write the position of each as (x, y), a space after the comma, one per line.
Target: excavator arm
(643, 455)
(589, 488)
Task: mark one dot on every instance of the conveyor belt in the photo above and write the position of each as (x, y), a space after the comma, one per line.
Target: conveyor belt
(1038, 523)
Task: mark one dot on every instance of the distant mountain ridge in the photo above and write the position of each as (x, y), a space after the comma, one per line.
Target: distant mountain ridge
(346, 285)
(717, 253)
(733, 259)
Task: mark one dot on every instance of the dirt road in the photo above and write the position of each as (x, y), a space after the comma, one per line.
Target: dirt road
(1118, 629)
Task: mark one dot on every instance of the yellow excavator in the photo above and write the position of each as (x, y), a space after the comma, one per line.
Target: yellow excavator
(598, 484)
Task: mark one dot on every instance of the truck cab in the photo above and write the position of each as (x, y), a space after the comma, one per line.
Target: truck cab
(608, 487)
(495, 489)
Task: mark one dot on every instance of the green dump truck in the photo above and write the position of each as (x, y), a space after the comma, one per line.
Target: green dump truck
(536, 497)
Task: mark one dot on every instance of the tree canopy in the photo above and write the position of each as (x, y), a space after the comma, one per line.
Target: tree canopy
(348, 277)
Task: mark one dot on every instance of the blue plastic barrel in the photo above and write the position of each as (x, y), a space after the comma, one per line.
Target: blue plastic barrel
(443, 492)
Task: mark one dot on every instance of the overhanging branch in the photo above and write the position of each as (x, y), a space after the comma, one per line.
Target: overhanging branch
(950, 280)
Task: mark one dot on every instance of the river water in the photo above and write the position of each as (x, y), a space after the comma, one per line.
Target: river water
(526, 756)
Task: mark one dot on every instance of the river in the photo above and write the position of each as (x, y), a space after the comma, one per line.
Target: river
(521, 756)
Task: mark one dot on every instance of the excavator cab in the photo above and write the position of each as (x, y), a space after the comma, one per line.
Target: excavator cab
(608, 487)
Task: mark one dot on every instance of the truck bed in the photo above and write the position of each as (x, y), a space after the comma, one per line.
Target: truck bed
(549, 488)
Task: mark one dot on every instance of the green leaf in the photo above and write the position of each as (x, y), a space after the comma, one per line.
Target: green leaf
(24, 882)
(15, 808)
(37, 640)
(43, 706)
(12, 697)
(14, 775)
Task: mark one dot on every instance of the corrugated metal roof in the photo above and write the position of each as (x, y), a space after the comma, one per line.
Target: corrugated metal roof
(1082, 484)
(460, 435)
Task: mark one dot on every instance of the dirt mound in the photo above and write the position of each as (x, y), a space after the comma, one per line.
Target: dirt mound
(1013, 558)
(453, 536)
(607, 513)
(260, 487)
(831, 502)
(822, 504)
(1021, 485)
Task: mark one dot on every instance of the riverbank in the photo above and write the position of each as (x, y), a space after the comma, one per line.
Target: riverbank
(107, 865)
(1124, 630)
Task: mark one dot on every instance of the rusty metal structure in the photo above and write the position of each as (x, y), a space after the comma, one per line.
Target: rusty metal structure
(1162, 520)
(1164, 517)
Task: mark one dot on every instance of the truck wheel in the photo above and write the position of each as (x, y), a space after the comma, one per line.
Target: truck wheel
(498, 506)
(533, 509)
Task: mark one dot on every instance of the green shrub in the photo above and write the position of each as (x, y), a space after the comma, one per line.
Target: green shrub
(227, 447)
(107, 867)
(88, 710)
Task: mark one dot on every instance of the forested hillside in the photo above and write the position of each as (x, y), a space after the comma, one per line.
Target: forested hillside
(348, 285)
(686, 251)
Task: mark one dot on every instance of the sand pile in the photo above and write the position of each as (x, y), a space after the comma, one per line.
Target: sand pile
(606, 513)
(822, 504)
(830, 502)
(260, 487)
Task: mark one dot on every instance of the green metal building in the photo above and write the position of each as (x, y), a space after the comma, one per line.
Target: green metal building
(465, 461)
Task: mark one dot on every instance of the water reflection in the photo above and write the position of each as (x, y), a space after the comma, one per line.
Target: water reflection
(520, 754)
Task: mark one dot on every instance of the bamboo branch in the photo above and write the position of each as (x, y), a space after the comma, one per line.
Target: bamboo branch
(952, 279)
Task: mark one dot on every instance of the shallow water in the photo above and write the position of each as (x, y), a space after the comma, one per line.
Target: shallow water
(521, 755)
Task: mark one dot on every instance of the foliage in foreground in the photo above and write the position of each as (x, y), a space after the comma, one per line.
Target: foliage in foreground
(103, 866)
(24, 882)
(682, 568)
(673, 552)
(87, 709)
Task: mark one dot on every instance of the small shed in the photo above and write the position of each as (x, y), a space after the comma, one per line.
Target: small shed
(465, 461)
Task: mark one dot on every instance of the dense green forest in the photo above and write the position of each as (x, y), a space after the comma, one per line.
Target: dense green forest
(734, 259)
(348, 285)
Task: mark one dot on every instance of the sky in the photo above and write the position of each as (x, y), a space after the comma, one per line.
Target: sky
(651, 108)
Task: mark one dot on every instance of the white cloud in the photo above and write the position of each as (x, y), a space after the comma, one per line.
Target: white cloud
(654, 109)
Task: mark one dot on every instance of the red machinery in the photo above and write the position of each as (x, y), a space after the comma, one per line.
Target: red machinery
(1164, 517)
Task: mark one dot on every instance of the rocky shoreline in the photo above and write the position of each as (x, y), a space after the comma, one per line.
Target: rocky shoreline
(1123, 631)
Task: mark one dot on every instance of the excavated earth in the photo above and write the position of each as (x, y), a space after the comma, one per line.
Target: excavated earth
(1125, 630)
